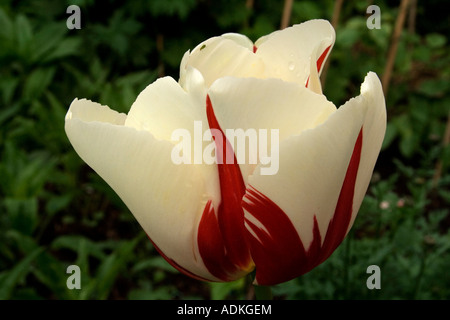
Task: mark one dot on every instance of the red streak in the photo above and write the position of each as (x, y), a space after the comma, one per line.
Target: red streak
(322, 58)
(212, 248)
(319, 62)
(277, 250)
(337, 229)
(226, 233)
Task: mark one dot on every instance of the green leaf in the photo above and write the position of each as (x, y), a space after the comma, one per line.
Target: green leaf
(46, 40)
(434, 87)
(37, 82)
(52, 274)
(9, 112)
(391, 134)
(222, 290)
(408, 140)
(23, 175)
(171, 8)
(435, 40)
(22, 214)
(24, 35)
(79, 244)
(11, 278)
(156, 262)
(6, 26)
(111, 267)
(162, 293)
(66, 47)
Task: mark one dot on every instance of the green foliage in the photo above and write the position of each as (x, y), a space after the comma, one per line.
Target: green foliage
(55, 211)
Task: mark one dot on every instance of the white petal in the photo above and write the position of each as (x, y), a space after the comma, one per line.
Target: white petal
(220, 56)
(313, 164)
(163, 107)
(183, 68)
(374, 129)
(166, 199)
(313, 81)
(268, 104)
(240, 39)
(287, 53)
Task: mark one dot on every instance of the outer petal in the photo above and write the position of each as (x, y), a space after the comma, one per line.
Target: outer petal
(167, 199)
(324, 174)
(287, 53)
(164, 107)
(267, 104)
(374, 129)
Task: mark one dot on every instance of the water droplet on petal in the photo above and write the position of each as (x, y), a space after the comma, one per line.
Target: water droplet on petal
(291, 66)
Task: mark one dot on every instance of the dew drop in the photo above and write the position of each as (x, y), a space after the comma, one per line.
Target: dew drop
(291, 66)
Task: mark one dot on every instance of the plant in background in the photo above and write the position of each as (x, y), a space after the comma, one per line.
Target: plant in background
(221, 221)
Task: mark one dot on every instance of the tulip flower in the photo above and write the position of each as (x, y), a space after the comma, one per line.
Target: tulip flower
(222, 221)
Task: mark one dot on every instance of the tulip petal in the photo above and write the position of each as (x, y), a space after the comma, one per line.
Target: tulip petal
(340, 222)
(374, 129)
(277, 250)
(287, 53)
(265, 104)
(324, 174)
(164, 106)
(313, 81)
(222, 56)
(276, 247)
(240, 39)
(167, 200)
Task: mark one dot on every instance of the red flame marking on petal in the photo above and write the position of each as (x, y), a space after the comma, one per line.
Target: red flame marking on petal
(319, 63)
(322, 58)
(229, 229)
(337, 229)
(211, 246)
(277, 249)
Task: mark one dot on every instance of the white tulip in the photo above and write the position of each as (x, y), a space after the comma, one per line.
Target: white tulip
(218, 221)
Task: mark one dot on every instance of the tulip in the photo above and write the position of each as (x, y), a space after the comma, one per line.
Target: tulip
(222, 221)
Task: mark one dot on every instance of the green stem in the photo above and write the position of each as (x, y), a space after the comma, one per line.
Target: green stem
(263, 292)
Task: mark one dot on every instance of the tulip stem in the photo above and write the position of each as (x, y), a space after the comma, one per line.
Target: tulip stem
(260, 292)
(263, 292)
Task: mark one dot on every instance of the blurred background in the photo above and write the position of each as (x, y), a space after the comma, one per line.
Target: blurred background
(55, 211)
